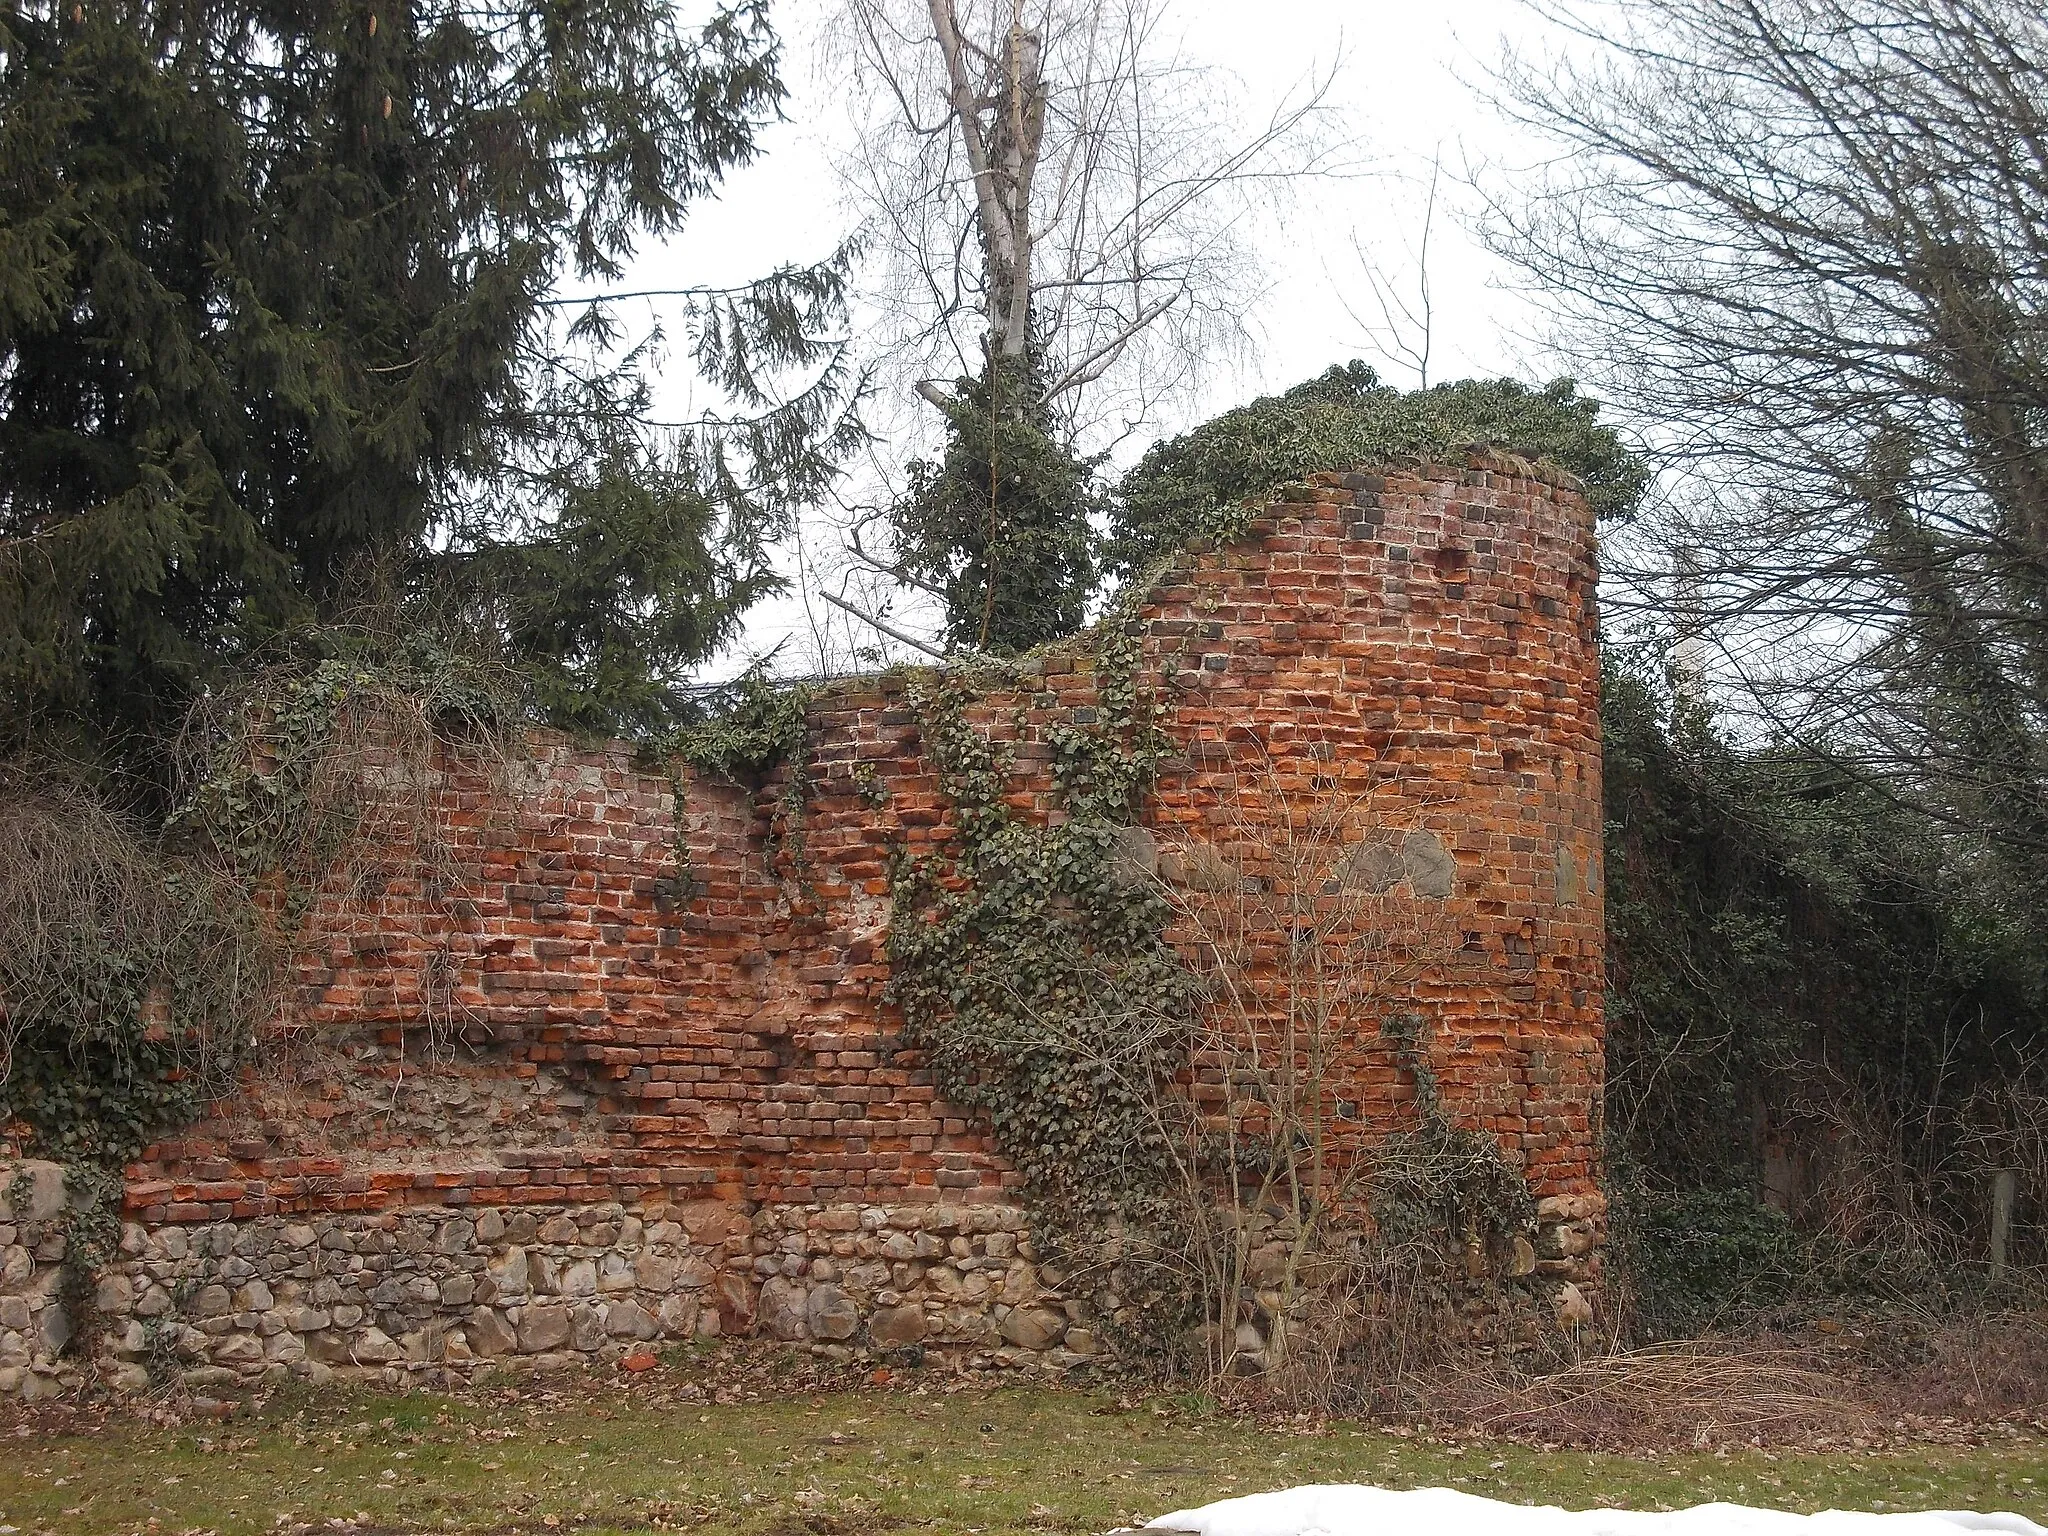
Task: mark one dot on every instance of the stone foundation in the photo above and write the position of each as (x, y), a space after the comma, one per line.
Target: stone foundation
(438, 1296)
(35, 1323)
(433, 1296)
(414, 1294)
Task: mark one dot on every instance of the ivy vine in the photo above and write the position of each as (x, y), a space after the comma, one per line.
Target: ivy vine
(1437, 1179)
(741, 728)
(738, 732)
(1026, 959)
(124, 999)
(1209, 483)
(275, 771)
(139, 961)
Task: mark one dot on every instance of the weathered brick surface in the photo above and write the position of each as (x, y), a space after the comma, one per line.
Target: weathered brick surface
(577, 1019)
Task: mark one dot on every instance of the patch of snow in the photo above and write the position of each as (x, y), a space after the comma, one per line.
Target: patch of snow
(1348, 1509)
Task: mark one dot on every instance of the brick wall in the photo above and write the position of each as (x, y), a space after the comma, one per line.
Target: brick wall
(572, 1023)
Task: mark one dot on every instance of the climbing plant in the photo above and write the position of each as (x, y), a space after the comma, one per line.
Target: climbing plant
(1068, 987)
(998, 525)
(140, 956)
(1023, 952)
(740, 728)
(1791, 952)
(1309, 910)
(1197, 486)
(1437, 1180)
(129, 979)
(279, 772)
(736, 732)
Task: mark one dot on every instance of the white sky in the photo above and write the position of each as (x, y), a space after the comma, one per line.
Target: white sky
(1405, 88)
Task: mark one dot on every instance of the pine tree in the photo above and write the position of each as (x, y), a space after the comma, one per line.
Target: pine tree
(279, 324)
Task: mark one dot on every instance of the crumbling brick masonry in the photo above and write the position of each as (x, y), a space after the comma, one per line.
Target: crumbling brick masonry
(590, 1097)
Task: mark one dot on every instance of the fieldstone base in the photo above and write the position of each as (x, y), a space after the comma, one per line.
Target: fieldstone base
(35, 1324)
(440, 1295)
(381, 1296)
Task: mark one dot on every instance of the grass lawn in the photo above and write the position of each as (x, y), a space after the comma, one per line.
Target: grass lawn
(1013, 1460)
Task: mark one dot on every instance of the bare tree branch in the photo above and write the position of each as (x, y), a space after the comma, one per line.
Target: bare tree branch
(1804, 243)
(1088, 197)
(883, 626)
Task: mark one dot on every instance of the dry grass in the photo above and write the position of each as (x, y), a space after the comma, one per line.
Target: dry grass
(1700, 1393)
(1990, 1366)
(1875, 1378)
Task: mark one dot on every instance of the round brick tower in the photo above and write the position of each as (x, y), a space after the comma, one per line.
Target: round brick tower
(1432, 629)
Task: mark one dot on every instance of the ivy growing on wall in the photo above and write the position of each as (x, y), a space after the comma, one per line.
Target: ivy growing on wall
(1790, 950)
(1022, 951)
(736, 733)
(741, 728)
(139, 960)
(129, 979)
(1208, 483)
(1436, 1178)
(280, 772)
(1030, 959)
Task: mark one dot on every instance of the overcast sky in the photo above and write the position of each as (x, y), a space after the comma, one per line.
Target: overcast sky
(1405, 84)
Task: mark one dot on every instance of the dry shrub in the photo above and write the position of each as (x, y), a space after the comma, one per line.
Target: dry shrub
(1991, 1365)
(1911, 1178)
(331, 775)
(1379, 1341)
(1312, 929)
(130, 978)
(2002, 1126)
(324, 785)
(1703, 1392)
(1308, 905)
(1872, 1379)
(1310, 1245)
(141, 957)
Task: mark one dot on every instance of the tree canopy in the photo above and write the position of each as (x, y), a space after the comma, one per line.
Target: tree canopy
(281, 333)
(1800, 242)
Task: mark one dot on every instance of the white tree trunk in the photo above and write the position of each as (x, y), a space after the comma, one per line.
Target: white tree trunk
(1000, 129)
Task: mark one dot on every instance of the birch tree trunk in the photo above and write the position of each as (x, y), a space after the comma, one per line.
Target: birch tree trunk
(1000, 132)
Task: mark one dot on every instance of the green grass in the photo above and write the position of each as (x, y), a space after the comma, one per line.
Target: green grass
(1013, 1461)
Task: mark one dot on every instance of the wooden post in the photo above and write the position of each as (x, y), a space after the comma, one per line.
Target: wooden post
(2002, 1190)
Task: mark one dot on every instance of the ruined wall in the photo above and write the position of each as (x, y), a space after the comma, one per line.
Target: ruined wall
(35, 1322)
(577, 1094)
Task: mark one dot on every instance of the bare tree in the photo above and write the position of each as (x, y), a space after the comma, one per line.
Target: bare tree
(1053, 174)
(1405, 326)
(1062, 214)
(1316, 944)
(1804, 243)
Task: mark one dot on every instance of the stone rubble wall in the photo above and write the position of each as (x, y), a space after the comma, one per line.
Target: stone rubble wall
(391, 1298)
(35, 1322)
(425, 1299)
(632, 995)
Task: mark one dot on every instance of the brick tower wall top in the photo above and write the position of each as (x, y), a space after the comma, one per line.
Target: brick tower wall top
(583, 1016)
(1433, 630)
